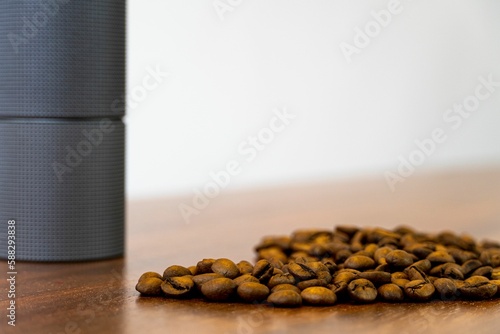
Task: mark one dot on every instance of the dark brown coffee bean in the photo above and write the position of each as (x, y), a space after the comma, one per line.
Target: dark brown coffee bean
(440, 257)
(424, 265)
(399, 258)
(478, 287)
(149, 286)
(453, 271)
(301, 271)
(280, 279)
(490, 257)
(401, 282)
(312, 282)
(263, 271)
(497, 283)
(342, 255)
(391, 292)
(176, 271)
(226, 268)
(253, 292)
(177, 286)
(192, 269)
(376, 277)
(461, 256)
(204, 266)
(244, 267)
(285, 298)
(495, 274)
(422, 251)
(362, 290)
(272, 254)
(359, 262)
(380, 254)
(218, 289)
(199, 280)
(357, 241)
(445, 288)
(285, 287)
(150, 274)
(320, 296)
(350, 230)
(483, 271)
(330, 264)
(245, 278)
(415, 274)
(399, 275)
(471, 265)
(419, 290)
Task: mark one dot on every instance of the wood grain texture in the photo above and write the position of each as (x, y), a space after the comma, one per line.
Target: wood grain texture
(99, 297)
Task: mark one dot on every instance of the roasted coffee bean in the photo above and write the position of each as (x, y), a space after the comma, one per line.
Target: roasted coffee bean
(226, 268)
(245, 278)
(272, 254)
(398, 275)
(495, 274)
(440, 257)
(280, 279)
(218, 289)
(478, 287)
(177, 286)
(192, 270)
(312, 282)
(453, 271)
(414, 273)
(342, 255)
(329, 264)
(401, 282)
(461, 256)
(244, 267)
(199, 280)
(263, 271)
(285, 298)
(252, 292)
(320, 296)
(359, 262)
(376, 277)
(471, 265)
(301, 271)
(497, 283)
(419, 290)
(424, 265)
(490, 257)
(149, 286)
(176, 271)
(399, 258)
(362, 290)
(380, 254)
(357, 241)
(285, 287)
(350, 230)
(391, 292)
(150, 274)
(482, 271)
(445, 288)
(204, 266)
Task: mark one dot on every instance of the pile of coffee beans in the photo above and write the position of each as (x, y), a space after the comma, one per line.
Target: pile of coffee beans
(347, 264)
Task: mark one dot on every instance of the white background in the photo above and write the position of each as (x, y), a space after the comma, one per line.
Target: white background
(227, 76)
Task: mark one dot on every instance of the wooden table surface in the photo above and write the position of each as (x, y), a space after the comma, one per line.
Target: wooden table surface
(99, 297)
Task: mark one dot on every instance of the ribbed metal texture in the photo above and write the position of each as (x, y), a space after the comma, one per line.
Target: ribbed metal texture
(62, 58)
(68, 199)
